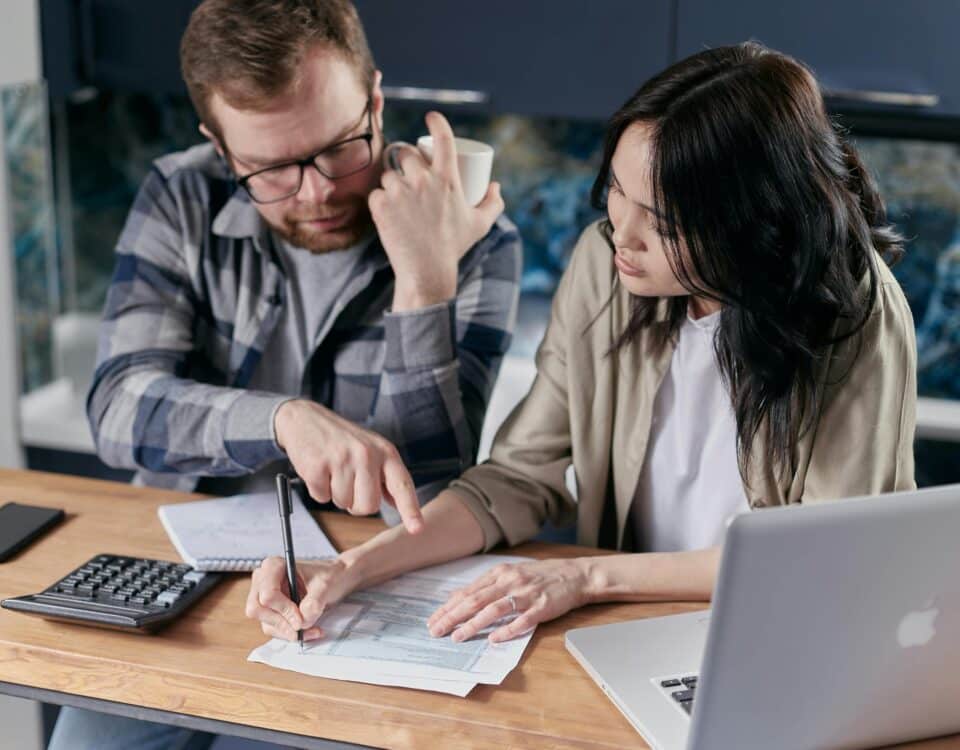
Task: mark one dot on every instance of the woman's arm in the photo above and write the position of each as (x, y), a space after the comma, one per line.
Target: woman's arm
(544, 589)
(449, 531)
(540, 589)
(653, 576)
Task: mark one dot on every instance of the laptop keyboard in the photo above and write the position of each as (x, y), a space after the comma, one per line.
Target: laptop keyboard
(681, 690)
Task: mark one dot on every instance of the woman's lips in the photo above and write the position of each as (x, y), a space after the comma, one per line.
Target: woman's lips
(626, 268)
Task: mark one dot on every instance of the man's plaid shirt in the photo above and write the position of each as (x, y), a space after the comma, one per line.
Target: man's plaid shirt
(196, 294)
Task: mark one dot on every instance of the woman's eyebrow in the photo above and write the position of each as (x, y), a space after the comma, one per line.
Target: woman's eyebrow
(616, 182)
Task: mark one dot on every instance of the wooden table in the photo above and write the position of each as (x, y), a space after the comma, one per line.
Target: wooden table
(195, 673)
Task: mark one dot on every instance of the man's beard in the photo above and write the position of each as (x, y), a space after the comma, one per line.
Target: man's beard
(298, 234)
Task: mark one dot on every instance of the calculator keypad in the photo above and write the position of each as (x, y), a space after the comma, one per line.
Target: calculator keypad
(126, 581)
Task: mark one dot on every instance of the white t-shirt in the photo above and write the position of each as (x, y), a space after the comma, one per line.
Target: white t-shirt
(690, 483)
(314, 282)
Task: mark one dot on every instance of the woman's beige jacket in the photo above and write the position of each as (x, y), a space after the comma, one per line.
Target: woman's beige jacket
(593, 409)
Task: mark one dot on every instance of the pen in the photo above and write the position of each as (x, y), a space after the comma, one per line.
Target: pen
(283, 498)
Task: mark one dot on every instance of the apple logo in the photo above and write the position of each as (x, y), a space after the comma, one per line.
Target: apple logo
(916, 628)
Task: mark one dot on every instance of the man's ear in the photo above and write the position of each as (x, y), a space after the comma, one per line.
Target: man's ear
(206, 132)
(376, 100)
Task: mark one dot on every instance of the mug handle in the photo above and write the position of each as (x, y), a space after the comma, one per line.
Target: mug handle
(390, 154)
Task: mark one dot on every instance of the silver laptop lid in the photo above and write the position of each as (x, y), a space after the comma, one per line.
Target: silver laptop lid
(835, 625)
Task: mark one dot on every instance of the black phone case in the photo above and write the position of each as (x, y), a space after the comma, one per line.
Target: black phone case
(56, 515)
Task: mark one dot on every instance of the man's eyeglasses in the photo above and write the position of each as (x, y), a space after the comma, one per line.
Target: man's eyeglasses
(338, 160)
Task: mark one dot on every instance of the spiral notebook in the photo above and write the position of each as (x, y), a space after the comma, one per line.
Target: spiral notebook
(237, 532)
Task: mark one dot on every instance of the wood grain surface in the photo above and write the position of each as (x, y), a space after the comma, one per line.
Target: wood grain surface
(198, 665)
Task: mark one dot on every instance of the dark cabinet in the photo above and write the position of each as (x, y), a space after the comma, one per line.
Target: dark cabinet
(565, 58)
(868, 54)
(121, 45)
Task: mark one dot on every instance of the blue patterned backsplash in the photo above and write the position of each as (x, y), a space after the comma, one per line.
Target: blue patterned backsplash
(24, 113)
(546, 168)
(920, 183)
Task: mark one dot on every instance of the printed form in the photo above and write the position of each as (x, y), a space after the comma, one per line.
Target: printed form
(380, 636)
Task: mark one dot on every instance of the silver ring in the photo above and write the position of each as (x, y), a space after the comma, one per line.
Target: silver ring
(513, 604)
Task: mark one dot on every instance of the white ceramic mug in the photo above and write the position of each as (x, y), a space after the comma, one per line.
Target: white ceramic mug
(474, 161)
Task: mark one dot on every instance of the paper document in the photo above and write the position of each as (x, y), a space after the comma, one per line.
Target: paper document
(380, 636)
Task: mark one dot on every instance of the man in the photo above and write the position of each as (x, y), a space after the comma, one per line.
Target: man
(248, 326)
(277, 298)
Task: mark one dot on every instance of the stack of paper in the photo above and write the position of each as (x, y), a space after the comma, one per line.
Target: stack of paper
(380, 636)
(238, 532)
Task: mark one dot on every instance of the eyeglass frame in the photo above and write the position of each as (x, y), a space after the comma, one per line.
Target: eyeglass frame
(309, 161)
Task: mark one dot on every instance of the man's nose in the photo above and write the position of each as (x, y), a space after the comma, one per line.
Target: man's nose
(315, 186)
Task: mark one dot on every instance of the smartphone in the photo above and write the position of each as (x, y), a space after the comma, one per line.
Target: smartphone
(21, 524)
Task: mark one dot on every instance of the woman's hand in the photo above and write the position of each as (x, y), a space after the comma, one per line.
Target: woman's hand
(321, 583)
(541, 591)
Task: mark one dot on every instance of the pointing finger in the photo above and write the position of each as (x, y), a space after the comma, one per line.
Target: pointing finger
(399, 487)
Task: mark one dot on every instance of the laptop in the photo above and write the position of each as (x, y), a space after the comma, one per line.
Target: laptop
(834, 625)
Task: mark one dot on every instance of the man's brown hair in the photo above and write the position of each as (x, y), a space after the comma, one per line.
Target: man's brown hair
(251, 51)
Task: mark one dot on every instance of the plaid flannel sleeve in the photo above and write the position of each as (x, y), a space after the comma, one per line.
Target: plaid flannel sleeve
(144, 412)
(441, 363)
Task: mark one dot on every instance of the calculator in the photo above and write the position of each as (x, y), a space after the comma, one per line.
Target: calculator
(126, 593)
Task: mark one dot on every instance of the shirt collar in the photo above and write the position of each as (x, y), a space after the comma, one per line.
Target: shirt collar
(240, 219)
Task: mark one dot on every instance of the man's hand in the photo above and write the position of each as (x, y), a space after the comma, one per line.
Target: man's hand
(321, 583)
(343, 462)
(424, 221)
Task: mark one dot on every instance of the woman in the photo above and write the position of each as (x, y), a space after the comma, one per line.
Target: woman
(743, 345)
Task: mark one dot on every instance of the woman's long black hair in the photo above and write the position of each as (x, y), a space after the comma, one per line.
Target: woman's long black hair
(767, 209)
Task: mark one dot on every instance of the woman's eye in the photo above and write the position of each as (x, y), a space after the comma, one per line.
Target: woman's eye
(663, 230)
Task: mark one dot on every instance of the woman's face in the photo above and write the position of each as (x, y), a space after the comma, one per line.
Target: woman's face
(641, 252)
